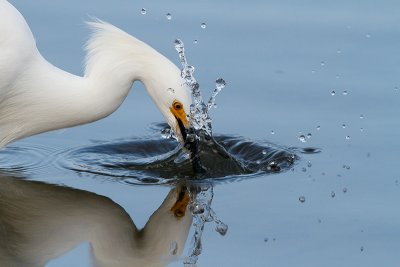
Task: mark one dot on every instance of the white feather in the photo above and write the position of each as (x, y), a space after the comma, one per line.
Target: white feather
(36, 96)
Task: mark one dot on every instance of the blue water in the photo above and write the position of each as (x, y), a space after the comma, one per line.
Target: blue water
(281, 61)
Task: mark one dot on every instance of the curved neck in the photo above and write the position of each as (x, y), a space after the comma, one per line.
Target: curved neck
(55, 99)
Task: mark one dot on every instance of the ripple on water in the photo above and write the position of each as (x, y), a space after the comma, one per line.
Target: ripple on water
(156, 160)
(25, 159)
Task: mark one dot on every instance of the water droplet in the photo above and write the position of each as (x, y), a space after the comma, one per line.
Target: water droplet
(343, 126)
(333, 194)
(143, 11)
(361, 248)
(309, 135)
(345, 92)
(339, 51)
(347, 167)
(361, 116)
(171, 90)
(337, 76)
(272, 132)
(333, 92)
(344, 190)
(198, 209)
(195, 41)
(347, 137)
(266, 239)
(309, 164)
(264, 152)
(396, 88)
(302, 138)
(318, 128)
(322, 63)
(220, 83)
(361, 129)
(173, 248)
(203, 25)
(368, 35)
(221, 228)
(302, 199)
(168, 16)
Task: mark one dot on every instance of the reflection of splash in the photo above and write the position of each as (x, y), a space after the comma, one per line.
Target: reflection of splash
(40, 222)
(200, 207)
(155, 160)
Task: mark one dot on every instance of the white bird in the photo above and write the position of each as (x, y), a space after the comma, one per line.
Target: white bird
(36, 96)
(40, 222)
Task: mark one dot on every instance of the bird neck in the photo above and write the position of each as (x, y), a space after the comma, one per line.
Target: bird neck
(55, 99)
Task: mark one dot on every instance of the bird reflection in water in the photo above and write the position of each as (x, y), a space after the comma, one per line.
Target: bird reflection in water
(40, 222)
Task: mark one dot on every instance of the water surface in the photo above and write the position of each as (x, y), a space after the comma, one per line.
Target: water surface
(281, 60)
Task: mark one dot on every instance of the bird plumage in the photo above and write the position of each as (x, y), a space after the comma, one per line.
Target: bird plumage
(36, 96)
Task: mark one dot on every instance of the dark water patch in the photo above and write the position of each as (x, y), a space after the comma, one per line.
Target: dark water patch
(156, 160)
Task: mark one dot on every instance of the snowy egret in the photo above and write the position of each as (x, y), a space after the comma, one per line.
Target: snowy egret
(36, 96)
(40, 222)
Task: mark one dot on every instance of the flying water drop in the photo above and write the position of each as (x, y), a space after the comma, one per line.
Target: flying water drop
(345, 92)
(219, 85)
(203, 25)
(221, 228)
(168, 16)
(302, 138)
(143, 11)
(333, 93)
(347, 137)
(302, 199)
(333, 194)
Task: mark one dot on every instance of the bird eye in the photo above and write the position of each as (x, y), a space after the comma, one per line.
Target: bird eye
(177, 106)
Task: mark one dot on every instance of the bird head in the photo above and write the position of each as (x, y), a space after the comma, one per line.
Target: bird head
(172, 97)
(176, 110)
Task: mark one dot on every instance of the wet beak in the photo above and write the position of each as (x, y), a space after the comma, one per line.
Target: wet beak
(182, 123)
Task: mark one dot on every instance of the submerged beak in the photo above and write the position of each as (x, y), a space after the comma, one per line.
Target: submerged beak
(182, 123)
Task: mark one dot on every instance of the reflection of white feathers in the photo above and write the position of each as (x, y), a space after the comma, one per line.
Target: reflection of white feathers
(40, 222)
(36, 96)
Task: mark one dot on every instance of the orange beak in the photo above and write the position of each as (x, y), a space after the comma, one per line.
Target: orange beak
(179, 112)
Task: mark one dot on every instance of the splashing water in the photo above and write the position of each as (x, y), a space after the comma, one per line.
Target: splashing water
(200, 122)
(199, 116)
